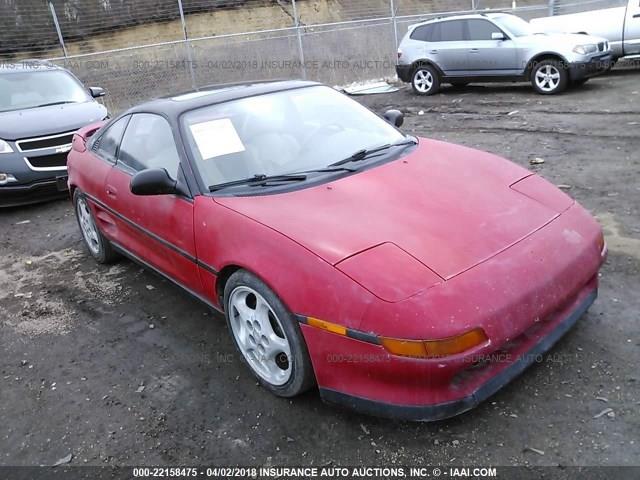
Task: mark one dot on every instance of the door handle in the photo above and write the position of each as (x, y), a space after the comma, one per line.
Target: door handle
(474, 50)
(434, 51)
(111, 191)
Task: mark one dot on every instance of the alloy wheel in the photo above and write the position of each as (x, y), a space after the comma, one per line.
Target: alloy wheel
(423, 80)
(260, 335)
(547, 78)
(88, 226)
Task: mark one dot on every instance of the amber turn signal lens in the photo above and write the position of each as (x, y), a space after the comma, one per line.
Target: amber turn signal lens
(329, 327)
(435, 348)
(601, 242)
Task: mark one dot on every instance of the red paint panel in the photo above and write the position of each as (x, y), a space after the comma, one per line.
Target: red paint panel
(542, 191)
(449, 207)
(304, 282)
(365, 370)
(389, 272)
(506, 294)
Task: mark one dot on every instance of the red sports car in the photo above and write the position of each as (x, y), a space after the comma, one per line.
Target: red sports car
(405, 277)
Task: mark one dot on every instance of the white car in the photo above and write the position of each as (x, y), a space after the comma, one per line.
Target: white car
(620, 26)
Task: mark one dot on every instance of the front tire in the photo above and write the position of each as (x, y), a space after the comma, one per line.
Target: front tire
(425, 80)
(267, 336)
(549, 77)
(97, 245)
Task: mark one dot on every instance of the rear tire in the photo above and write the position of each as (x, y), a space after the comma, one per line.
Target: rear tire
(425, 80)
(267, 336)
(97, 245)
(549, 77)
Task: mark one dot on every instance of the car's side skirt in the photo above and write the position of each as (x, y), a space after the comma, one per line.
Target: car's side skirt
(485, 78)
(132, 256)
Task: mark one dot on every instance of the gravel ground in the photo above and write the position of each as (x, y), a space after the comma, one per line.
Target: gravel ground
(118, 367)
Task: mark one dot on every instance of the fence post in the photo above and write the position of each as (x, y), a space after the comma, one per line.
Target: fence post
(57, 24)
(395, 23)
(296, 20)
(186, 45)
(552, 7)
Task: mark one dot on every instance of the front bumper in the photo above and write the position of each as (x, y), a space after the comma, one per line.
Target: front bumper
(32, 184)
(524, 298)
(404, 72)
(36, 192)
(524, 358)
(592, 68)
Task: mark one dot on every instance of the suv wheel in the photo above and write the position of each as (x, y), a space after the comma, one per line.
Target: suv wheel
(425, 80)
(549, 77)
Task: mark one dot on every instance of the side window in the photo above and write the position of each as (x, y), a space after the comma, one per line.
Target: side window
(148, 143)
(452, 31)
(106, 145)
(423, 33)
(481, 29)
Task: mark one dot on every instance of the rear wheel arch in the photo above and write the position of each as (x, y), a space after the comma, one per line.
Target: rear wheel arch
(424, 63)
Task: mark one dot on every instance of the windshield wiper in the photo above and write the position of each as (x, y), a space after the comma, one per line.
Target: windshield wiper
(259, 181)
(330, 170)
(52, 103)
(368, 152)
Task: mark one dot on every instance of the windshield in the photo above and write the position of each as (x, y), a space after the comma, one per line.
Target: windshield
(515, 25)
(281, 133)
(22, 90)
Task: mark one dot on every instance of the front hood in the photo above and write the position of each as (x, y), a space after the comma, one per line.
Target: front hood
(38, 122)
(449, 207)
(562, 40)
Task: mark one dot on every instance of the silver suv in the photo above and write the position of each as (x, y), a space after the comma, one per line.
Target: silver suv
(497, 47)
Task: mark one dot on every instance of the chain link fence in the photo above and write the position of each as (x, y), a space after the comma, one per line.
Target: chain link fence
(149, 48)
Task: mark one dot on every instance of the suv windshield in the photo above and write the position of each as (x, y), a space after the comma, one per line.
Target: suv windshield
(515, 25)
(281, 133)
(30, 89)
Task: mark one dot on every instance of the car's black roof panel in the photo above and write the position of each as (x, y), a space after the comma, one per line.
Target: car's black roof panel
(175, 105)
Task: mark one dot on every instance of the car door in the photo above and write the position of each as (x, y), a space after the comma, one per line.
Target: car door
(448, 47)
(632, 29)
(489, 56)
(102, 155)
(157, 229)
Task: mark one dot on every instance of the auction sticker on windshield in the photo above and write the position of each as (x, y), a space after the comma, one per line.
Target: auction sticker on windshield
(216, 138)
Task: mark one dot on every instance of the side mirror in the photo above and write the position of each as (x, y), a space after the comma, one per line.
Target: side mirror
(498, 36)
(154, 181)
(97, 92)
(394, 117)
